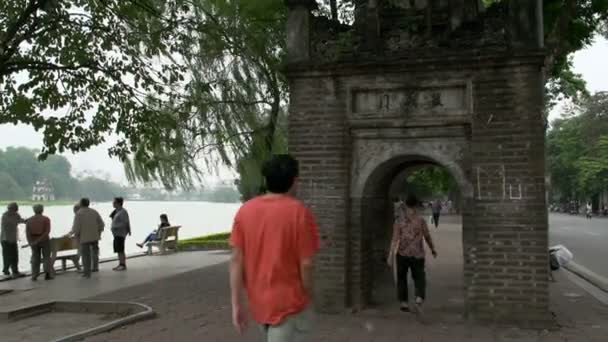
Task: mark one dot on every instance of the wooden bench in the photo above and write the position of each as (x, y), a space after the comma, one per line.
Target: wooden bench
(167, 238)
(63, 244)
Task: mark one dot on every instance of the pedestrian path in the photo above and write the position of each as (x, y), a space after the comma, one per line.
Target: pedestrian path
(71, 286)
(200, 308)
(190, 294)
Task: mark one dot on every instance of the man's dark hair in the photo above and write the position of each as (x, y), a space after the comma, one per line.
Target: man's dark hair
(119, 200)
(84, 202)
(280, 172)
(164, 217)
(411, 201)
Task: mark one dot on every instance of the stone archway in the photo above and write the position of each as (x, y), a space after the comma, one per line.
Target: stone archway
(459, 93)
(376, 164)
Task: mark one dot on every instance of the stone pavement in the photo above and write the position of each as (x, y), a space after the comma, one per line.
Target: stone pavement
(70, 286)
(190, 293)
(195, 306)
(56, 325)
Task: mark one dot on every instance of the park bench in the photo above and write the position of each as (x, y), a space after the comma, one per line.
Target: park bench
(65, 244)
(167, 239)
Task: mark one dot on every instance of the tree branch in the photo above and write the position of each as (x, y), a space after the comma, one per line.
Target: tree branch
(556, 43)
(9, 45)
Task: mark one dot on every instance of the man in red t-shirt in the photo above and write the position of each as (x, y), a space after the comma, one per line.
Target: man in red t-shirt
(274, 240)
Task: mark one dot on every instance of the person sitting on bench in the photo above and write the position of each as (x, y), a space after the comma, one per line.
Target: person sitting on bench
(155, 235)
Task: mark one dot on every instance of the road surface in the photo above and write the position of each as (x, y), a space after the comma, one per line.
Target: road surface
(586, 239)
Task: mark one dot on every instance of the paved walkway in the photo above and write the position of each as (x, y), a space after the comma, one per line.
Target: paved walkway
(587, 239)
(195, 306)
(70, 286)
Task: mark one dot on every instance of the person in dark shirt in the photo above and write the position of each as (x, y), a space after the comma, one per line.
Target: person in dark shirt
(9, 237)
(37, 230)
(436, 209)
(155, 235)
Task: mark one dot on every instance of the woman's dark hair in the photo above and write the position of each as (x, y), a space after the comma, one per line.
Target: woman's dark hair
(411, 201)
(164, 217)
(280, 172)
(85, 202)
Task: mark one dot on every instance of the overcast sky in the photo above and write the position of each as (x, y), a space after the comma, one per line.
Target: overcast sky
(591, 63)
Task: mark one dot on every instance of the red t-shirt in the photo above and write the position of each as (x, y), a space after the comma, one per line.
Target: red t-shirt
(274, 232)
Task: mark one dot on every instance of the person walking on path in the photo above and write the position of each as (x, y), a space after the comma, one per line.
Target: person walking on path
(274, 240)
(87, 228)
(121, 227)
(37, 231)
(589, 211)
(8, 239)
(436, 209)
(407, 252)
(397, 203)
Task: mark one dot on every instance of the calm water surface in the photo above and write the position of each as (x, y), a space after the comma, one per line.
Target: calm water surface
(196, 219)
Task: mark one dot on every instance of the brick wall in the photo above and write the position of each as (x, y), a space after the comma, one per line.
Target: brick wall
(502, 157)
(507, 270)
(318, 139)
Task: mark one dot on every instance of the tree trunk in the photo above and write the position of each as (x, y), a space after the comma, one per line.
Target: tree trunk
(333, 4)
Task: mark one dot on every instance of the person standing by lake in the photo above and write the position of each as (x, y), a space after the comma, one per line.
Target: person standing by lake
(87, 228)
(121, 227)
(407, 252)
(37, 231)
(274, 239)
(8, 239)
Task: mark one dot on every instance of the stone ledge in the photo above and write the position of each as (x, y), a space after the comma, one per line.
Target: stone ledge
(590, 276)
(128, 312)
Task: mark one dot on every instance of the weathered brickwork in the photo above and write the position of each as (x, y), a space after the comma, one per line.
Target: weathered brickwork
(357, 122)
(318, 140)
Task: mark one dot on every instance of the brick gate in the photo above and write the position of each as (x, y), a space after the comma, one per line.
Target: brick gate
(445, 82)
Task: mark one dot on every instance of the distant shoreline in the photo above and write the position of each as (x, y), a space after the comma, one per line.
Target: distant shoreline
(60, 203)
(45, 203)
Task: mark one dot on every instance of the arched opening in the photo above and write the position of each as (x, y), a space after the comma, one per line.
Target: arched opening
(429, 180)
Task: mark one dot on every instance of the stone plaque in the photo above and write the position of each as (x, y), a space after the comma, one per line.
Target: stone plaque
(449, 100)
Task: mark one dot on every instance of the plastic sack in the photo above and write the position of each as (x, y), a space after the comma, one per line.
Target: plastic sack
(561, 254)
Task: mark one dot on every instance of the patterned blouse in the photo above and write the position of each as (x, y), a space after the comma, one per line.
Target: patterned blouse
(411, 235)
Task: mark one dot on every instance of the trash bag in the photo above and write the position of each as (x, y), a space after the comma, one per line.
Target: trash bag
(559, 256)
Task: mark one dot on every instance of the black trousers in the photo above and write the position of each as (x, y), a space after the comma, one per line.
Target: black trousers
(404, 264)
(10, 257)
(436, 219)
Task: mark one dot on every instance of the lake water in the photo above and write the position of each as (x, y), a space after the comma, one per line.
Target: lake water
(196, 219)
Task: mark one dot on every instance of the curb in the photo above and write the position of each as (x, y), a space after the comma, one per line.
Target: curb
(205, 247)
(140, 312)
(590, 276)
(146, 313)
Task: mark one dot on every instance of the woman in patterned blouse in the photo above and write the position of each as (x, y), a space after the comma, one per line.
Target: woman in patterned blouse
(410, 231)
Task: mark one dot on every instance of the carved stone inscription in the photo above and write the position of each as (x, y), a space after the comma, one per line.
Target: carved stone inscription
(406, 101)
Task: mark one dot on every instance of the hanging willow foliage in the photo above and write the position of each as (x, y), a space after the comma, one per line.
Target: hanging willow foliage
(232, 111)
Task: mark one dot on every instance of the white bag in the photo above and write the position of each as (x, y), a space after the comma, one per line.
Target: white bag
(563, 255)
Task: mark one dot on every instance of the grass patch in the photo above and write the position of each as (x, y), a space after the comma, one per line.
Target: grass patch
(215, 241)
